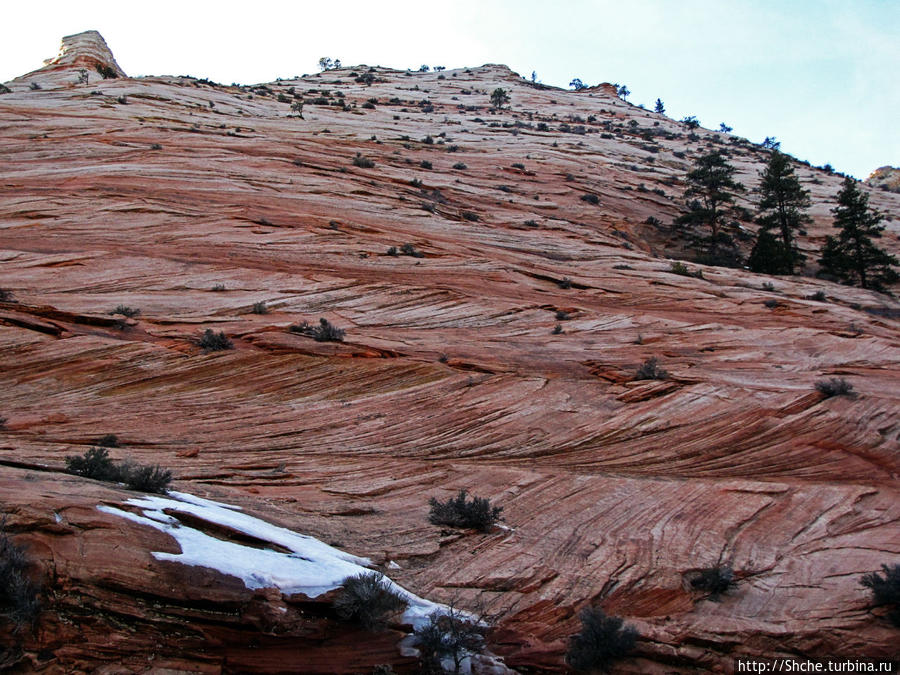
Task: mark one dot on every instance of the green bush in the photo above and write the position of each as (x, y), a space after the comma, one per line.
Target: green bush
(714, 580)
(146, 478)
(650, 370)
(108, 441)
(211, 341)
(125, 310)
(369, 600)
(681, 269)
(458, 511)
(603, 639)
(886, 590)
(324, 332)
(97, 464)
(835, 386)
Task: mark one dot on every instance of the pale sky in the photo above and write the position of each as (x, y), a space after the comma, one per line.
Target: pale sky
(820, 75)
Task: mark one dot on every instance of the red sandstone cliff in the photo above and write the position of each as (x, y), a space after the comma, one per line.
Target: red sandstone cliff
(153, 192)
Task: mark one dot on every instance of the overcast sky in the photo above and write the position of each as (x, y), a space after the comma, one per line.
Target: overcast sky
(820, 75)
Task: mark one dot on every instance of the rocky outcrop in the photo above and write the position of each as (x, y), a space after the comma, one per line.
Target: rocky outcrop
(84, 58)
(195, 202)
(886, 178)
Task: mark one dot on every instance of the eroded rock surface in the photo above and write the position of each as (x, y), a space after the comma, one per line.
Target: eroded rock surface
(193, 202)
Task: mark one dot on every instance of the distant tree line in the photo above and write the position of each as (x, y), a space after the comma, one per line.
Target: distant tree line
(851, 256)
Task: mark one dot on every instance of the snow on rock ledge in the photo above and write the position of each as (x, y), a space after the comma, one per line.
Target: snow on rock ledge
(311, 567)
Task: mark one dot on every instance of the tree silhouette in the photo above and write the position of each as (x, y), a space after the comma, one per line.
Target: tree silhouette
(660, 108)
(710, 199)
(499, 98)
(577, 84)
(780, 209)
(852, 256)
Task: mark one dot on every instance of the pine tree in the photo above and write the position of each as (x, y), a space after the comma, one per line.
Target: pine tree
(499, 97)
(852, 256)
(768, 256)
(710, 194)
(780, 209)
(660, 108)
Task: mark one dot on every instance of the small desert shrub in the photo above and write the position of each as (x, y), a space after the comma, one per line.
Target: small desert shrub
(363, 162)
(392, 250)
(590, 199)
(680, 268)
(211, 341)
(108, 441)
(3, 421)
(5, 295)
(125, 310)
(886, 590)
(218, 288)
(518, 165)
(653, 220)
(471, 216)
(557, 329)
(542, 126)
(818, 296)
(19, 602)
(603, 639)
(531, 223)
(771, 303)
(259, 308)
(449, 635)
(151, 478)
(324, 332)
(368, 599)
(425, 164)
(835, 386)
(410, 250)
(650, 370)
(368, 105)
(714, 580)
(565, 282)
(95, 464)
(458, 511)
(459, 166)
(562, 315)
(768, 286)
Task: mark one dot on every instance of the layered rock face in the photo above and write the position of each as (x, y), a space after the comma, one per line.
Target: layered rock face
(886, 178)
(206, 206)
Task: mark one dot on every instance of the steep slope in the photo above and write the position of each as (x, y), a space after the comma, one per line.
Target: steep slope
(193, 202)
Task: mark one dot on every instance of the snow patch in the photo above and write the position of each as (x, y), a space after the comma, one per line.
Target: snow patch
(312, 567)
